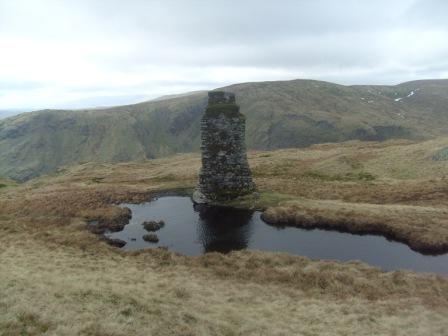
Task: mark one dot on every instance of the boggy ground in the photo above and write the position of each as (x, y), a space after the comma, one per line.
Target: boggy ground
(57, 278)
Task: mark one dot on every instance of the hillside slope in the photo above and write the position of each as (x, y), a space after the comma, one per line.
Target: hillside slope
(279, 114)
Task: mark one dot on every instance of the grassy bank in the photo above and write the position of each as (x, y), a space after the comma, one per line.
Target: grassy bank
(422, 228)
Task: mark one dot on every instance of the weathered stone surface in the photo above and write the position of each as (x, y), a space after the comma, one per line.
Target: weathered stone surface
(225, 172)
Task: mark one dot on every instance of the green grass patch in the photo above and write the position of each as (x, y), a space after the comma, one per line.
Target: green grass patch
(5, 183)
(441, 155)
(283, 169)
(164, 178)
(258, 200)
(347, 177)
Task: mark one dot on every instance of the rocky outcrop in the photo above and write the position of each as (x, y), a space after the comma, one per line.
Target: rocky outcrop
(225, 172)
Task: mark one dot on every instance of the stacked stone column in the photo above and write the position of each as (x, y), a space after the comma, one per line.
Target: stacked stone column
(225, 172)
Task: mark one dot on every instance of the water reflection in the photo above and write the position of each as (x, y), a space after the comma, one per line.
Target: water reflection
(195, 230)
(223, 229)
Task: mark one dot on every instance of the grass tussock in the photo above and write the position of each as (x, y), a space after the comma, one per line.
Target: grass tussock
(358, 176)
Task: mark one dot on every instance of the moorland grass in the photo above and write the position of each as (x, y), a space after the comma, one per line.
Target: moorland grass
(57, 278)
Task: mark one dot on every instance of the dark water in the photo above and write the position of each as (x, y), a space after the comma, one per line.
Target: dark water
(193, 231)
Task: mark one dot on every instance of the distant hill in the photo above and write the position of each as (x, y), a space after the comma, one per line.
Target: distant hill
(179, 95)
(279, 114)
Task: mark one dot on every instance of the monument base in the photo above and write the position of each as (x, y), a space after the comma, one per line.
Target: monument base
(199, 198)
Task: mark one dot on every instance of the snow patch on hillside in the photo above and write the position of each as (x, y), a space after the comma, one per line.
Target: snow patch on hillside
(410, 94)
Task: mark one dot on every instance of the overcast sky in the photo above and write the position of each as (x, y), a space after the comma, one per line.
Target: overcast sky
(76, 53)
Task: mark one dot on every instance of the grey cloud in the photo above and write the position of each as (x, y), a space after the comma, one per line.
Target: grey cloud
(427, 14)
(350, 41)
(10, 85)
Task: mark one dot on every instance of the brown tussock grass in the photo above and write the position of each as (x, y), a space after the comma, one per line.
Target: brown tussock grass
(63, 290)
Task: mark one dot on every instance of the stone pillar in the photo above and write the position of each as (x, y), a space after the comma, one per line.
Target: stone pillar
(225, 172)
